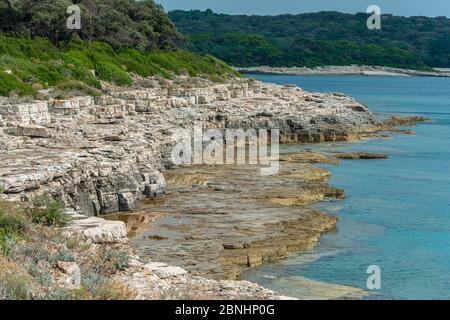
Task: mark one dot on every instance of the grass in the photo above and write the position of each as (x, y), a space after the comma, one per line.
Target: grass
(29, 64)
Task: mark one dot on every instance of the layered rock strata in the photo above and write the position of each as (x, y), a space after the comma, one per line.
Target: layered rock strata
(217, 221)
(103, 154)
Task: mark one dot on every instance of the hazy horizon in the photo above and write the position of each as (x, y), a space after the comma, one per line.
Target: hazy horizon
(432, 8)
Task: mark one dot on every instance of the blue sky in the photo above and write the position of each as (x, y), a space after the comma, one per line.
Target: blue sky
(264, 7)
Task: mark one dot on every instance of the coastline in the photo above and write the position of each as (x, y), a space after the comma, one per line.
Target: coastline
(353, 70)
(97, 171)
(217, 243)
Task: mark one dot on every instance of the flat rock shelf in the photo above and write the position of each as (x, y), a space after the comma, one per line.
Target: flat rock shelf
(219, 220)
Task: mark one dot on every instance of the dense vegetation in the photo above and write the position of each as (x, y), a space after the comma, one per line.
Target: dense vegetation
(28, 65)
(141, 25)
(118, 38)
(324, 38)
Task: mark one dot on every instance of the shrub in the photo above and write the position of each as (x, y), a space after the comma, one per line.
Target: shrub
(48, 212)
(113, 290)
(38, 64)
(13, 224)
(15, 283)
(113, 259)
(29, 268)
(10, 83)
(108, 71)
(75, 87)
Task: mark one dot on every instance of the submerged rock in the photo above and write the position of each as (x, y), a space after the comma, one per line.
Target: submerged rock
(360, 156)
(308, 157)
(405, 121)
(304, 288)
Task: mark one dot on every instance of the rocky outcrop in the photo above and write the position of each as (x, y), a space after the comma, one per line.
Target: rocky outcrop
(28, 113)
(96, 230)
(156, 281)
(308, 157)
(405, 121)
(360, 156)
(217, 221)
(103, 154)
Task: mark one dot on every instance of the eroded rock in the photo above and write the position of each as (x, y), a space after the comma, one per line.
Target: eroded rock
(360, 156)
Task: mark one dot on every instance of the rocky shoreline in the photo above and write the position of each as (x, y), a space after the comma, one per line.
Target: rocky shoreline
(353, 70)
(107, 154)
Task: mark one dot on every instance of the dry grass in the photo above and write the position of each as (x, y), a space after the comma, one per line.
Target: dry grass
(32, 245)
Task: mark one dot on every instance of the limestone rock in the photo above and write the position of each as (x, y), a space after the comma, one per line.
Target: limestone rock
(106, 153)
(31, 130)
(308, 157)
(72, 274)
(127, 201)
(28, 113)
(164, 271)
(98, 230)
(360, 156)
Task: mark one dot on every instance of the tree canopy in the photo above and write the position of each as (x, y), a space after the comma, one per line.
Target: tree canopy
(323, 38)
(141, 25)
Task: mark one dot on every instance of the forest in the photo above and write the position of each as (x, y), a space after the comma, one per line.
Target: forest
(140, 25)
(117, 39)
(315, 39)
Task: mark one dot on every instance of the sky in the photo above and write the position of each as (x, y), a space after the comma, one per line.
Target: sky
(272, 7)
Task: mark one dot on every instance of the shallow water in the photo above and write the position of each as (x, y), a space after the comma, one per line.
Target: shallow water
(397, 211)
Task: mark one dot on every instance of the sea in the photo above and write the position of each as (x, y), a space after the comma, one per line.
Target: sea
(395, 221)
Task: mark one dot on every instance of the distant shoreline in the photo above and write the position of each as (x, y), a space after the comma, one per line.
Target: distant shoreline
(345, 71)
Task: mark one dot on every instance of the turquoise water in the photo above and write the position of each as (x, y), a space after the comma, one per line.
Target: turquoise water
(397, 211)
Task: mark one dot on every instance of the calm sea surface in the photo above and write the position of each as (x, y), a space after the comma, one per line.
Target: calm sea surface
(397, 211)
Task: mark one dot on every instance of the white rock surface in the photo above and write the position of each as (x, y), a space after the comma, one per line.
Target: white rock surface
(72, 274)
(97, 230)
(164, 271)
(103, 154)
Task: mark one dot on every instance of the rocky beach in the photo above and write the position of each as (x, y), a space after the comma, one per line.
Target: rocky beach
(194, 229)
(353, 70)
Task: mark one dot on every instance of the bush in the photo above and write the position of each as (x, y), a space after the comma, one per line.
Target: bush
(113, 259)
(10, 83)
(75, 87)
(48, 212)
(39, 64)
(108, 71)
(15, 283)
(113, 290)
(13, 224)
